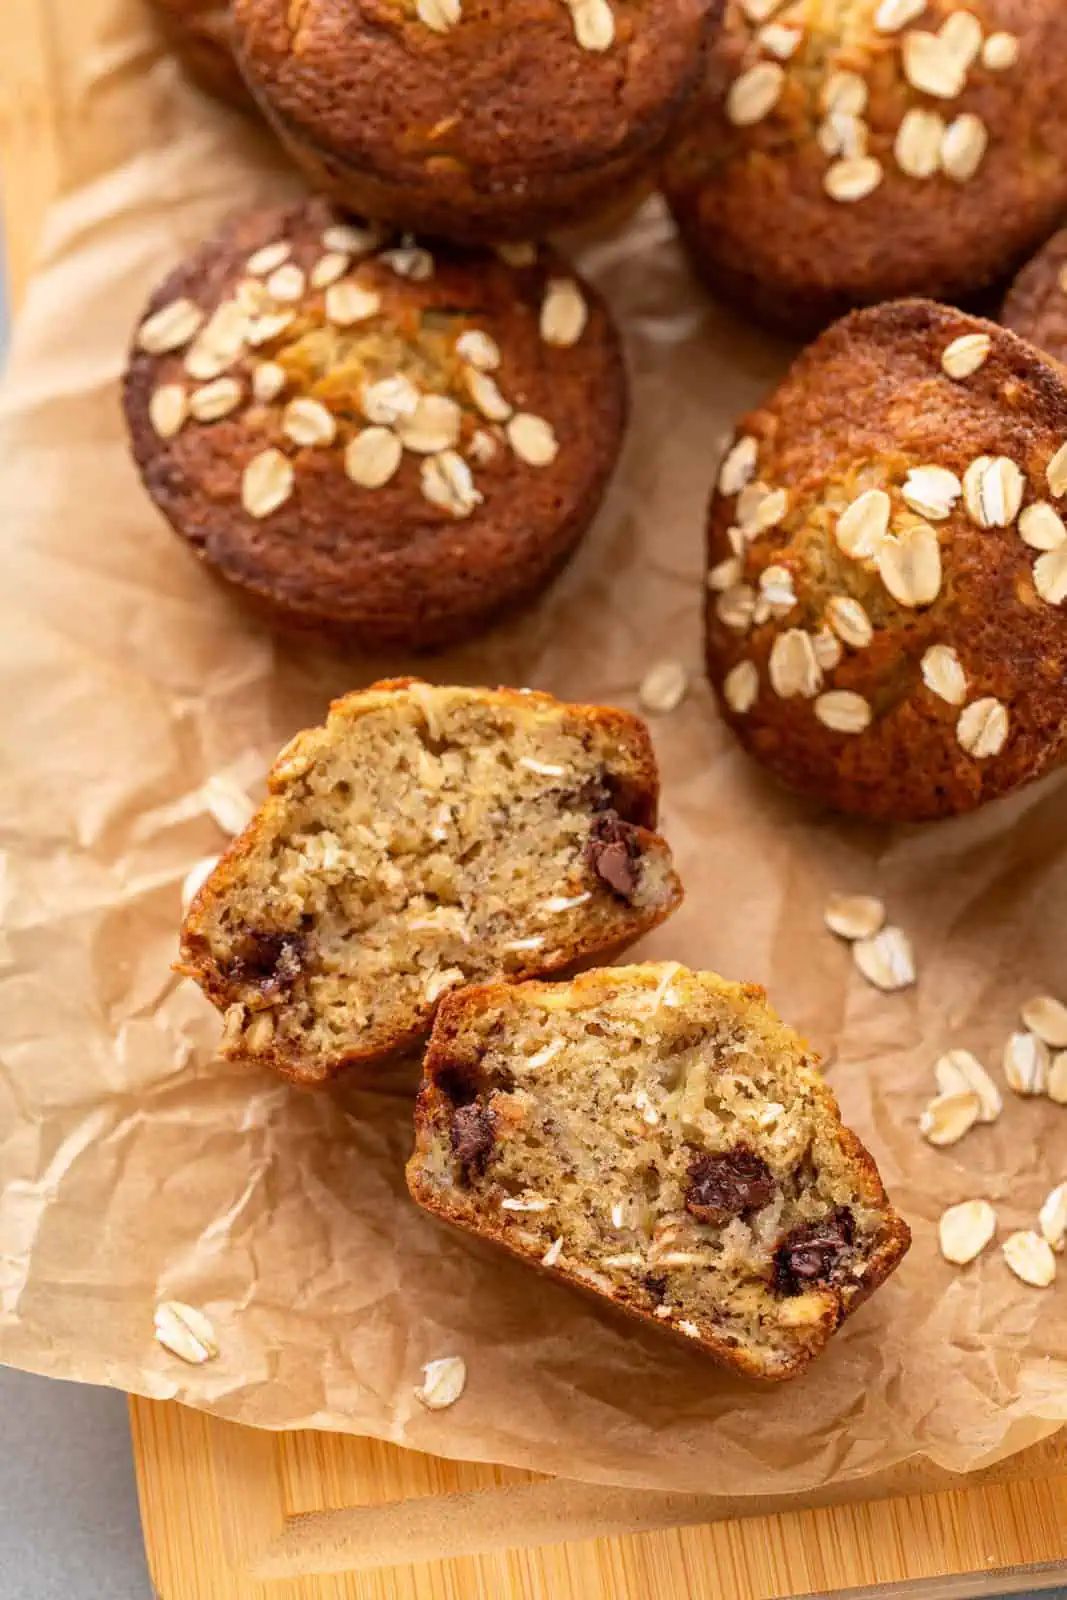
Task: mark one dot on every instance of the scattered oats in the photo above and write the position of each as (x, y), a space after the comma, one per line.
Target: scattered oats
(629, 1258)
(215, 400)
(983, 728)
(433, 426)
(168, 409)
(740, 687)
(438, 982)
(663, 1312)
(261, 330)
(348, 302)
(228, 804)
(854, 916)
(544, 769)
(963, 357)
(749, 503)
(1026, 1063)
(754, 94)
(443, 1382)
(409, 261)
(440, 15)
(909, 564)
(221, 340)
(779, 40)
(484, 392)
(853, 178)
(1056, 473)
(845, 92)
(251, 298)
(1056, 1087)
(965, 1230)
(267, 483)
(735, 606)
(268, 381)
(386, 401)
(961, 35)
(725, 574)
(771, 509)
(663, 687)
(828, 649)
(533, 943)
(269, 259)
(329, 269)
(862, 527)
(170, 328)
(679, 1258)
(1000, 51)
(1042, 527)
(948, 1117)
(892, 15)
(185, 1332)
(841, 134)
(1050, 576)
(482, 448)
(517, 253)
(307, 422)
(553, 1253)
(259, 1034)
(350, 240)
(738, 465)
(532, 439)
(1053, 1218)
(564, 313)
(760, 10)
(287, 284)
(594, 24)
(541, 1058)
(447, 482)
(849, 621)
(943, 674)
(690, 1329)
(232, 1029)
(1030, 1257)
(843, 711)
(737, 539)
(959, 1072)
(478, 350)
(196, 877)
(792, 665)
(372, 457)
(930, 66)
(918, 143)
(560, 903)
(776, 587)
(526, 1205)
(886, 959)
(1047, 1017)
(963, 147)
(932, 492)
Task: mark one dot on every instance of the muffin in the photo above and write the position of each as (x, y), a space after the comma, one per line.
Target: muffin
(370, 437)
(1036, 305)
(888, 566)
(659, 1137)
(498, 120)
(200, 33)
(851, 153)
(424, 838)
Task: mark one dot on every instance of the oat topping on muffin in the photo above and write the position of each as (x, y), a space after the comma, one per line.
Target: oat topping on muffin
(895, 588)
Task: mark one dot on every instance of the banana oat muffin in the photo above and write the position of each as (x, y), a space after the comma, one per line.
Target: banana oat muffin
(370, 436)
(200, 32)
(424, 838)
(1036, 306)
(660, 1137)
(476, 119)
(854, 152)
(888, 566)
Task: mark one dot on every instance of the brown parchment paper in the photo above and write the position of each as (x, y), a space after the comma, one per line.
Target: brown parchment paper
(136, 1167)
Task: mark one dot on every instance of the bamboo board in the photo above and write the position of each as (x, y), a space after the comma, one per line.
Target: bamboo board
(231, 1514)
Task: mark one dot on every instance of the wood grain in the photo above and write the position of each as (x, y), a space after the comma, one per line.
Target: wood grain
(235, 1515)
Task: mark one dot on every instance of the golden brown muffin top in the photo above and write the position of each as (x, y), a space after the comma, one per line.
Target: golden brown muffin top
(888, 565)
(1036, 306)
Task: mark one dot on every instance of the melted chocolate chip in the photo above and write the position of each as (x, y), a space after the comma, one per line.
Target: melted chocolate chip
(473, 1134)
(813, 1253)
(270, 962)
(613, 852)
(657, 1287)
(723, 1186)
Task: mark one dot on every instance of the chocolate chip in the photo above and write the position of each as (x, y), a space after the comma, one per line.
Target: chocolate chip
(814, 1253)
(269, 962)
(657, 1287)
(613, 852)
(723, 1186)
(473, 1134)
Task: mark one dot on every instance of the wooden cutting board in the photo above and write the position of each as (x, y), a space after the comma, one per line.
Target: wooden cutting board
(232, 1514)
